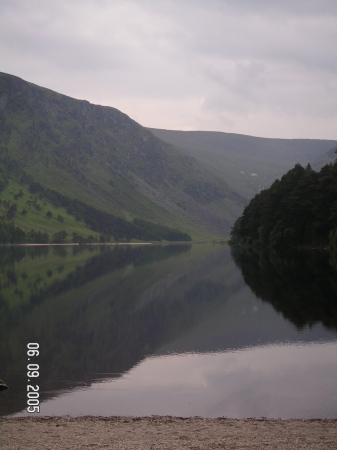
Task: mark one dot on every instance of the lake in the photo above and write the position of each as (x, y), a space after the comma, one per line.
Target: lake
(183, 330)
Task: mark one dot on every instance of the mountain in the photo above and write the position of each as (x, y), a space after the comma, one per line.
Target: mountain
(247, 163)
(57, 152)
(74, 171)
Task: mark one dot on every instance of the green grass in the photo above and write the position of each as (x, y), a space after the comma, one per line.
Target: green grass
(35, 219)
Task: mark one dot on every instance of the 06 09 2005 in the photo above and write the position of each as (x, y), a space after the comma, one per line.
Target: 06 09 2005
(33, 401)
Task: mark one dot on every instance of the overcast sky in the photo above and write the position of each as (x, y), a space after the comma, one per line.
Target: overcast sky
(263, 67)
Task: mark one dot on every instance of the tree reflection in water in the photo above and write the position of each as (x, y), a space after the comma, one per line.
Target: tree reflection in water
(302, 285)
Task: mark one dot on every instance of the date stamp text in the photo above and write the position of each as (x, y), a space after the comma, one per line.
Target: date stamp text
(33, 401)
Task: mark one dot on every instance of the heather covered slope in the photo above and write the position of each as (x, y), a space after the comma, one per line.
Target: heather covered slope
(100, 157)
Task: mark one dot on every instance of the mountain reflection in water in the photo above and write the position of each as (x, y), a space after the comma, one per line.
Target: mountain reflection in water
(102, 314)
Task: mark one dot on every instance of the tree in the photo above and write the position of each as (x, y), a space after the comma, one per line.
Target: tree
(11, 212)
(60, 237)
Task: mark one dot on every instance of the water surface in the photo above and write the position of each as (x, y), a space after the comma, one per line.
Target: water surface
(170, 330)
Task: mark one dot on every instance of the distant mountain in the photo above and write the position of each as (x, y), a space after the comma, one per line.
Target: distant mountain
(57, 152)
(326, 158)
(247, 163)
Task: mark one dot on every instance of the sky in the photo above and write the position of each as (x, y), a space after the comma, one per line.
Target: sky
(263, 68)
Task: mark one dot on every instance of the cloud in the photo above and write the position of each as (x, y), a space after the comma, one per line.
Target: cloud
(218, 65)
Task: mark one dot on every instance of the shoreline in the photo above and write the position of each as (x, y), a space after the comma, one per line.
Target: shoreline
(75, 244)
(84, 244)
(72, 244)
(97, 244)
(166, 432)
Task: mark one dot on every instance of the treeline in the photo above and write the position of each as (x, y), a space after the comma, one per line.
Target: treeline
(107, 225)
(10, 234)
(299, 210)
(155, 232)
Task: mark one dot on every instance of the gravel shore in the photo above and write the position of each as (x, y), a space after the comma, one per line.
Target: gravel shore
(165, 433)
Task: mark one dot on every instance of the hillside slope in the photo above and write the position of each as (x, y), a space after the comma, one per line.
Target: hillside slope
(101, 157)
(247, 163)
(326, 158)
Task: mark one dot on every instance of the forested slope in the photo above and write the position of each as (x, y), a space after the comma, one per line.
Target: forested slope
(298, 210)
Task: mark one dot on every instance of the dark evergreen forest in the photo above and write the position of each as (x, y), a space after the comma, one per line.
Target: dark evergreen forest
(299, 210)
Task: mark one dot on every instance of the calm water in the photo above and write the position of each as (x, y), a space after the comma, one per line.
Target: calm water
(170, 330)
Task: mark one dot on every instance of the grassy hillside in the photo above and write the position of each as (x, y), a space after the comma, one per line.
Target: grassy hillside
(33, 209)
(247, 163)
(102, 158)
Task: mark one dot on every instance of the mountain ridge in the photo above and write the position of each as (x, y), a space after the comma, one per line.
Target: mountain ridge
(248, 163)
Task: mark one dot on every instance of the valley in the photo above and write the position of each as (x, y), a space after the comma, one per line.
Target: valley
(90, 171)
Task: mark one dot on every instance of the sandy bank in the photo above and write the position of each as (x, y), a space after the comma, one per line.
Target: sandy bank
(165, 433)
